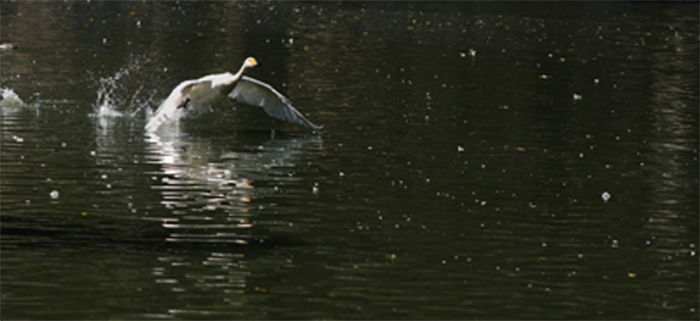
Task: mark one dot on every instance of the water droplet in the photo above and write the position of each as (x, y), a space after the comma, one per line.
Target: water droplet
(615, 244)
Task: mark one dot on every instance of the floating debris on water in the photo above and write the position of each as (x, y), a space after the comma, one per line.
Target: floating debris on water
(7, 46)
(54, 194)
(605, 196)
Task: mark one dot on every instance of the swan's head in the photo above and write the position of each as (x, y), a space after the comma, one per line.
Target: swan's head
(250, 62)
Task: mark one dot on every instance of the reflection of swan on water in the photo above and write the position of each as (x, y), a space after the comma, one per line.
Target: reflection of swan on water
(197, 189)
(198, 94)
(209, 192)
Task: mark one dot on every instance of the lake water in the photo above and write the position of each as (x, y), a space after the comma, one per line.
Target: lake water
(478, 161)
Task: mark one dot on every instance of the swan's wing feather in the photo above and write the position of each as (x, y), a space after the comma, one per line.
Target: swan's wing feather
(168, 108)
(257, 93)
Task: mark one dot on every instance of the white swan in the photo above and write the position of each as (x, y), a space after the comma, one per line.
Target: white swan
(201, 93)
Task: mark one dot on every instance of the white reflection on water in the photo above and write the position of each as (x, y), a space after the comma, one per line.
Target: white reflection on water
(207, 196)
(209, 190)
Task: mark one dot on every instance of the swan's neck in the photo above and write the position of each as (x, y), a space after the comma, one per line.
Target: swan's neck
(226, 81)
(239, 74)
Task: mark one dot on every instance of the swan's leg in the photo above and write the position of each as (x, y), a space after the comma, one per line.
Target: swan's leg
(184, 104)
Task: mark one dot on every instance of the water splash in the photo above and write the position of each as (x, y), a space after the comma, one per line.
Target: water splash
(128, 91)
(10, 98)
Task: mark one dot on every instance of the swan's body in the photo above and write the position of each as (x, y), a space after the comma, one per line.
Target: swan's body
(201, 93)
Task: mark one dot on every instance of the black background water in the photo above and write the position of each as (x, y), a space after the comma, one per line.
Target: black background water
(479, 161)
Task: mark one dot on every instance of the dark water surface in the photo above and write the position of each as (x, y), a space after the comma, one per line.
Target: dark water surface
(478, 161)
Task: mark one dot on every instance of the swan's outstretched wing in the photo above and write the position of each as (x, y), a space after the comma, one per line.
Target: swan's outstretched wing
(257, 93)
